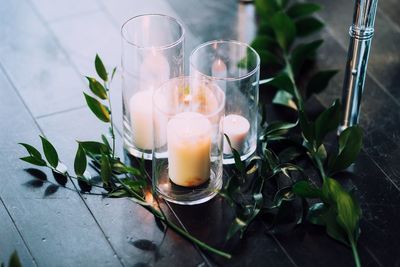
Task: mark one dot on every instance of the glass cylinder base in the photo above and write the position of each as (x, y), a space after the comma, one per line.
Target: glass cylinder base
(129, 145)
(228, 158)
(187, 195)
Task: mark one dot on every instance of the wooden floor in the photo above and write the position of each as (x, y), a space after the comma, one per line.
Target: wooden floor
(46, 47)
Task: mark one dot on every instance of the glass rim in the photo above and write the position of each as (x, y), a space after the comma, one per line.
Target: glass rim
(248, 74)
(160, 47)
(221, 105)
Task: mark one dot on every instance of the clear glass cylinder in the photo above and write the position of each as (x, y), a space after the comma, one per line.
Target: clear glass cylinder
(152, 53)
(188, 136)
(235, 68)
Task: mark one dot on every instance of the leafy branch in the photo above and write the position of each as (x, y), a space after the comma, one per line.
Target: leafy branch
(284, 58)
(117, 179)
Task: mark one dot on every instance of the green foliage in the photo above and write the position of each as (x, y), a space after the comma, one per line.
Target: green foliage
(97, 88)
(281, 28)
(49, 152)
(97, 108)
(350, 144)
(319, 82)
(100, 69)
(80, 161)
(298, 10)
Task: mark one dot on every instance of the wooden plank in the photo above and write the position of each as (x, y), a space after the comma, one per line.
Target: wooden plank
(58, 228)
(35, 62)
(10, 240)
(122, 221)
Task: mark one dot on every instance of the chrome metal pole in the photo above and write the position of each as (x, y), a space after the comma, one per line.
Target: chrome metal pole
(361, 32)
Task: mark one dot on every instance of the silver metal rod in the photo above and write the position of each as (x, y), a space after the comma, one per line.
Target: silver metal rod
(361, 32)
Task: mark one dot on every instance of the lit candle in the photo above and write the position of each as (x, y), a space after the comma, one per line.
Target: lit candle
(236, 127)
(189, 145)
(153, 72)
(219, 69)
(141, 111)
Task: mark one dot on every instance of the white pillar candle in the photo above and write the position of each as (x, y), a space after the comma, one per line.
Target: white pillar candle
(236, 127)
(141, 112)
(189, 146)
(154, 70)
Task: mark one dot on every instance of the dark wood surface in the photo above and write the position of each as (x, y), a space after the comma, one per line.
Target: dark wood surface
(46, 48)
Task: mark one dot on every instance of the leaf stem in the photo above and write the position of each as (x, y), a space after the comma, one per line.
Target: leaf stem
(111, 120)
(289, 71)
(355, 252)
(185, 234)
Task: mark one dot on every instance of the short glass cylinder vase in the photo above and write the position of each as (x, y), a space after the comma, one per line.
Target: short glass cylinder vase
(188, 136)
(152, 53)
(235, 68)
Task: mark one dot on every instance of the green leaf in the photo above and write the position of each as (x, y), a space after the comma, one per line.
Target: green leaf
(236, 226)
(265, 8)
(307, 127)
(97, 88)
(105, 142)
(266, 58)
(321, 153)
(264, 28)
(347, 213)
(298, 10)
(84, 185)
(307, 26)
(100, 69)
(119, 193)
(284, 28)
(50, 152)
(262, 42)
(327, 121)
(350, 144)
(302, 52)
(113, 73)
(282, 82)
(105, 172)
(34, 161)
(97, 108)
(333, 229)
(278, 126)
(238, 162)
(122, 168)
(80, 161)
(95, 148)
(32, 151)
(285, 99)
(14, 260)
(319, 82)
(306, 189)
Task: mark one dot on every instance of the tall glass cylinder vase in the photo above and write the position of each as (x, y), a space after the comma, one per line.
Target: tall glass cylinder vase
(187, 155)
(235, 67)
(152, 53)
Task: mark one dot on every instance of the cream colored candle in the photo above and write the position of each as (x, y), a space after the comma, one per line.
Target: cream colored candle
(153, 72)
(189, 146)
(141, 112)
(236, 127)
